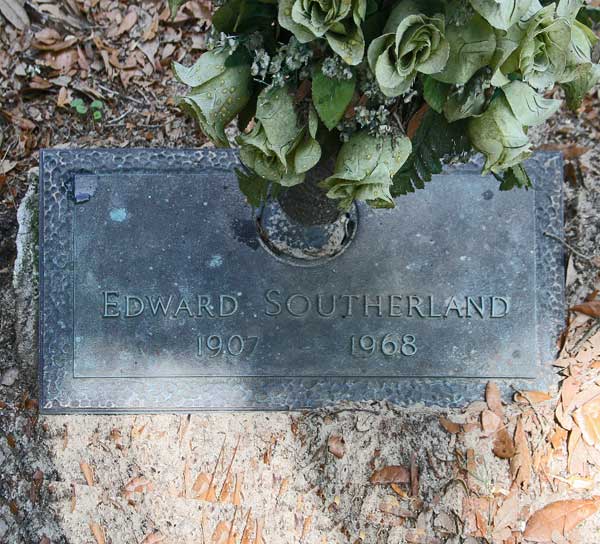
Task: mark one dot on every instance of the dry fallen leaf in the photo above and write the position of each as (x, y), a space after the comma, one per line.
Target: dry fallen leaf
(558, 437)
(504, 447)
(392, 474)
(577, 454)
(520, 464)
(569, 151)
(414, 476)
(508, 513)
(490, 422)
(136, 485)
(591, 308)
(224, 533)
(559, 516)
(237, 492)
(204, 488)
(15, 13)
(532, 397)
(128, 22)
(416, 120)
(87, 473)
(226, 488)
(576, 482)
(336, 446)
(98, 532)
(248, 529)
(258, 539)
(587, 418)
(153, 538)
(398, 490)
(305, 528)
(47, 36)
(493, 399)
(568, 390)
(63, 97)
(6, 166)
(450, 426)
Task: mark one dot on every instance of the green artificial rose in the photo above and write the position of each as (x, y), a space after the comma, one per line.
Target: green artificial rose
(543, 50)
(472, 46)
(412, 43)
(277, 148)
(499, 132)
(364, 169)
(221, 87)
(499, 135)
(338, 21)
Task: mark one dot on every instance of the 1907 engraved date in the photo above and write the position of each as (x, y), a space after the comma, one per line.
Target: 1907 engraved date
(389, 345)
(235, 345)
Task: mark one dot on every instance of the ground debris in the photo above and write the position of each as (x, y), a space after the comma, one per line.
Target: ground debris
(290, 477)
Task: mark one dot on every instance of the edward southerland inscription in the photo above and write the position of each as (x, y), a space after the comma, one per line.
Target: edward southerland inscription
(276, 303)
(301, 305)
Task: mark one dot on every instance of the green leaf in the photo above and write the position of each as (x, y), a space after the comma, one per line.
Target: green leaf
(210, 65)
(529, 107)
(435, 140)
(331, 97)
(515, 176)
(435, 93)
(253, 187)
(589, 15)
(221, 88)
(174, 6)
(97, 115)
(77, 102)
(81, 109)
(97, 105)
(243, 16)
(313, 121)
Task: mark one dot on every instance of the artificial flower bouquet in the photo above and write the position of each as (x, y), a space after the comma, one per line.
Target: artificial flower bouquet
(388, 90)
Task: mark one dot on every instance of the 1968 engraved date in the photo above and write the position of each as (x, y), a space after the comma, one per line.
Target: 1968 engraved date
(236, 345)
(389, 345)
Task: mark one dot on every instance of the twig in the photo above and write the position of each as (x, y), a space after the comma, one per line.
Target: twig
(568, 246)
(591, 331)
(113, 121)
(543, 420)
(365, 410)
(117, 93)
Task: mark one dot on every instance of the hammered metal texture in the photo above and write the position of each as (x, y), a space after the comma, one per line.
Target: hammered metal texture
(61, 392)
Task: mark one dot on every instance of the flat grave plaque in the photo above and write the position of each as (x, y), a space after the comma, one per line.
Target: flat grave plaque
(156, 292)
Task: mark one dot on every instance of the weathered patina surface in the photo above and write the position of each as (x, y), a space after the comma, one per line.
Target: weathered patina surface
(157, 293)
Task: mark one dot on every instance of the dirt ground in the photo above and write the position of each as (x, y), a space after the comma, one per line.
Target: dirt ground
(372, 473)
